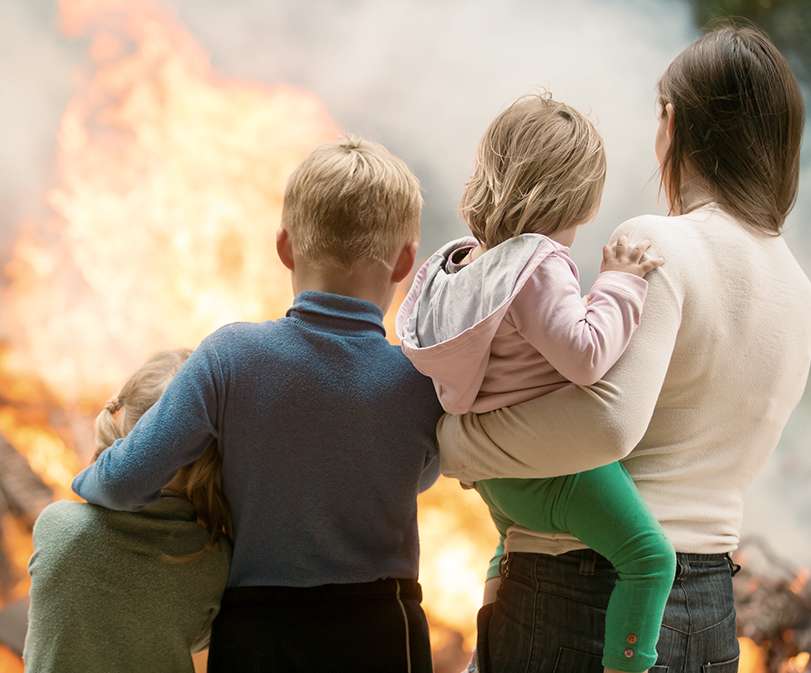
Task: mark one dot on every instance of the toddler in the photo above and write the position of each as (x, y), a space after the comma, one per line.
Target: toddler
(498, 319)
(127, 591)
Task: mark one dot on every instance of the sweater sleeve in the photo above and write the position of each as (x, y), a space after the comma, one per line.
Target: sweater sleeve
(174, 432)
(430, 471)
(575, 428)
(580, 340)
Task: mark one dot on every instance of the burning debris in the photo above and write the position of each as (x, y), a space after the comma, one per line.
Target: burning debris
(23, 495)
(773, 605)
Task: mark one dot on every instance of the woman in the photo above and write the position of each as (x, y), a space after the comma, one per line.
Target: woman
(698, 402)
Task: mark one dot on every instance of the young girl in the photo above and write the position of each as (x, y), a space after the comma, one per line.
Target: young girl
(135, 591)
(499, 319)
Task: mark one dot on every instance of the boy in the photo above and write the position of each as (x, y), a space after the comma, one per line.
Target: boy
(326, 433)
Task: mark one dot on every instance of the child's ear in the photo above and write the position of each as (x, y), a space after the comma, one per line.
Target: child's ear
(405, 262)
(284, 248)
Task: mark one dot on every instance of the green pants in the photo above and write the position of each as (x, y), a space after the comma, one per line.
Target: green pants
(604, 510)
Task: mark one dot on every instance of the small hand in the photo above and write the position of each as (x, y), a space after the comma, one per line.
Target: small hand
(622, 257)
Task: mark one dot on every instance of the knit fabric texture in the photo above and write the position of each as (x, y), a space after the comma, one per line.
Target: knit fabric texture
(105, 597)
(327, 434)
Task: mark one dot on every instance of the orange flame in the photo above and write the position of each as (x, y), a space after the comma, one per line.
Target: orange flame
(797, 664)
(799, 582)
(753, 658)
(457, 539)
(169, 197)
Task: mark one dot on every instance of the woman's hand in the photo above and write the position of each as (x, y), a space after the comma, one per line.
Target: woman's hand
(622, 257)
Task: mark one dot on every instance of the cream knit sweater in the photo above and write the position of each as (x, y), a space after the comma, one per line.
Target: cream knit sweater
(694, 407)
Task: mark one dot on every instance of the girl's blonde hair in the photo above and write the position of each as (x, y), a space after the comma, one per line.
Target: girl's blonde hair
(202, 479)
(540, 168)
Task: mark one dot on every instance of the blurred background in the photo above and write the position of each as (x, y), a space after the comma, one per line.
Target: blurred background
(143, 150)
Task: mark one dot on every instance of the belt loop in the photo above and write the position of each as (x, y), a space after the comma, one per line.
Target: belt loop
(504, 566)
(682, 567)
(734, 568)
(588, 560)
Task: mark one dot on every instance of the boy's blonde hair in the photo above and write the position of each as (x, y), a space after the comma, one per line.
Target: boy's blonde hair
(202, 479)
(351, 200)
(540, 168)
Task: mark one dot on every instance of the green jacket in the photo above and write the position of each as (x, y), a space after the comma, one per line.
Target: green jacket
(104, 596)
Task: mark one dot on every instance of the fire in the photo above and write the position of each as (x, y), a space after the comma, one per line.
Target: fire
(798, 584)
(163, 229)
(166, 215)
(797, 664)
(753, 658)
(164, 220)
(457, 539)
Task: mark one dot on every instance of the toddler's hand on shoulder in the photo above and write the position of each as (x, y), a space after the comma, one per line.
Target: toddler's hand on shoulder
(623, 257)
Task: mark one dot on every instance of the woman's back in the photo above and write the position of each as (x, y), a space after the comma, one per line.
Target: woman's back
(738, 368)
(701, 395)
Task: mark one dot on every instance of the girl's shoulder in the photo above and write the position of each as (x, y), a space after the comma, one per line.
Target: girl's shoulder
(65, 523)
(64, 512)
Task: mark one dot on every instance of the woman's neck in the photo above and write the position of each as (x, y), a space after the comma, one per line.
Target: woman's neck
(694, 194)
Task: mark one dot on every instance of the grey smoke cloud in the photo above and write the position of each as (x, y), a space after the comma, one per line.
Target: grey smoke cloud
(35, 64)
(424, 78)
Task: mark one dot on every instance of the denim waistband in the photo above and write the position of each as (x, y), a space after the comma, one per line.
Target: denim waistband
(686, 558)
(590, 559)
(685, 563)
(691, 558)
(404, 588)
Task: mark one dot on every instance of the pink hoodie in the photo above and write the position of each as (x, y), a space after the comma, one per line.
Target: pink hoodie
(511, 325)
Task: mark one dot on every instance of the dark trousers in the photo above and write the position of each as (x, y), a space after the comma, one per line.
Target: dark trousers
(549, 616)
(378, 627)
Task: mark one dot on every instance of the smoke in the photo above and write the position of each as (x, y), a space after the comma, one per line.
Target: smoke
(36, 65)
(425, 79)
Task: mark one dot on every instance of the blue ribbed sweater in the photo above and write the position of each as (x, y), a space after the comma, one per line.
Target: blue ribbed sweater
(327, 434)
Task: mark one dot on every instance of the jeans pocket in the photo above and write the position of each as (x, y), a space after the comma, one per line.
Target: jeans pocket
(575, 661)
(483, 640)
(730, 666)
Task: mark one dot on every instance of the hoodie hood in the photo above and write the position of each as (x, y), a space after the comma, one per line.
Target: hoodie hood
(447, 321)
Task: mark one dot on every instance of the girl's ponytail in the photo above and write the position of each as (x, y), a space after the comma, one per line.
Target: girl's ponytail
(201, 481)
(106, 427)
(203, 489)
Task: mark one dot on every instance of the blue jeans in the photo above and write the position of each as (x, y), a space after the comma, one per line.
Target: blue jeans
(549, 616)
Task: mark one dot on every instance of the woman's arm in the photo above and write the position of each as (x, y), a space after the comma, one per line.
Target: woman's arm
(574, 428)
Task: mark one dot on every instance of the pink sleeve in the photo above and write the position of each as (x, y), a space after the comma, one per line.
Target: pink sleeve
(580, 340)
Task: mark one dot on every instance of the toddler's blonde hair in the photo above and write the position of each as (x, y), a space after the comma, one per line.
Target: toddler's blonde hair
(540, 168)
(351, 200)
(202, 479)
